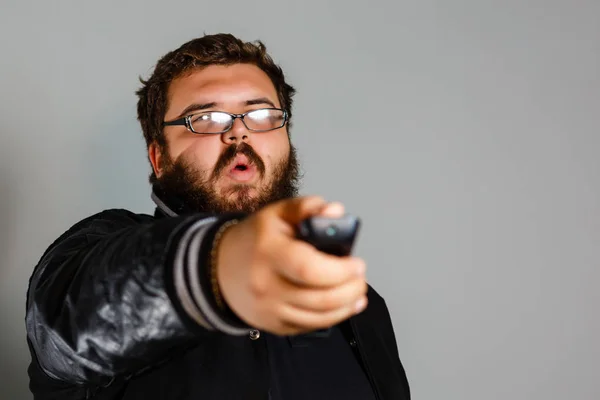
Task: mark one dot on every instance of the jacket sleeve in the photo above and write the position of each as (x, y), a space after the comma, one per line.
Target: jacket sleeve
(119, 293)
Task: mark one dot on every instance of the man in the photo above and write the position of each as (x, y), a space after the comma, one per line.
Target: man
(213, 297)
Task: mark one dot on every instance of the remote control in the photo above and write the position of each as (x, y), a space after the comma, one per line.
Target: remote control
(334, 236)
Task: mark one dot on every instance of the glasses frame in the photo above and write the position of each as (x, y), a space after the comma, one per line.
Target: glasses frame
(187, 121)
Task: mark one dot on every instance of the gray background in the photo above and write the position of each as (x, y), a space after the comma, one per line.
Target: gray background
(464, 133)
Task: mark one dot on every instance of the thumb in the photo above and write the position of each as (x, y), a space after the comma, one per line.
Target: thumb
(293, 211)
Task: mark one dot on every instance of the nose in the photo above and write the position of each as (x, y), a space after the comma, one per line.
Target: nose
(237, 134)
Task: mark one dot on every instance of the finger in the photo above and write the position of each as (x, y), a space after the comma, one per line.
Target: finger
(333, 210)
(293, 211)
(305, 266)
(309, 320)
(321, 300)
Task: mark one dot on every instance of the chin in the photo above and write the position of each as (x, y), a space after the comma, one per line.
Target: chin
(240, 197)
(239, 190)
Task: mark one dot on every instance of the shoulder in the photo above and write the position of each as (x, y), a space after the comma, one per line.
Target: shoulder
(377, 308)
(374, 297)
(97, 225)
(110, 219)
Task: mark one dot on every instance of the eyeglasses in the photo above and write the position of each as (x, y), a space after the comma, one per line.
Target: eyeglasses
(214, 122)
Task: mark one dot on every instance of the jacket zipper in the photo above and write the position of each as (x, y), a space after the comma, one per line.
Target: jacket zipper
(365, 362)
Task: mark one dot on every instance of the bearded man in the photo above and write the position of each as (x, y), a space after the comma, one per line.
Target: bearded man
(214, 296)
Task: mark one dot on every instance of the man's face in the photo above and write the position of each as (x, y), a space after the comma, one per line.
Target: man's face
(238, 170)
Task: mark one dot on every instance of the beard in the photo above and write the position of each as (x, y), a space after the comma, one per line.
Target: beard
(197, 188)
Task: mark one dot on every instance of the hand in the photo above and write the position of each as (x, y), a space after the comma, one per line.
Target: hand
(283, 285)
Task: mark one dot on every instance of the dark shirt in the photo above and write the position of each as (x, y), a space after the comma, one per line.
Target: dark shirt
(309, 367)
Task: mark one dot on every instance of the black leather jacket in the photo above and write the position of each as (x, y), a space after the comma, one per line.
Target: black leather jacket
(115, 311)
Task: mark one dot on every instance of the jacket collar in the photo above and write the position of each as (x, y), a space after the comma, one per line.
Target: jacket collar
(167, 205)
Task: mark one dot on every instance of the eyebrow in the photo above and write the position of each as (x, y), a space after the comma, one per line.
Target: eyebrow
(204, 106)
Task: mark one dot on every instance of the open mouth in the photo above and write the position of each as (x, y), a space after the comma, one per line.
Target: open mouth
(242, 170)
(241, 164)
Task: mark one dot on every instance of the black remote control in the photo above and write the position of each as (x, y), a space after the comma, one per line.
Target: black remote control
(334, 236)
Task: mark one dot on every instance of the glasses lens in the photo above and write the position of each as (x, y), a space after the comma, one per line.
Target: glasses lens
(265, 119)
(211, 122)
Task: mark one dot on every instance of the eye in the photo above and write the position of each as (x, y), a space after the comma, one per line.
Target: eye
(220, 117)
(260, 114)
(210, 122)
(201, 118)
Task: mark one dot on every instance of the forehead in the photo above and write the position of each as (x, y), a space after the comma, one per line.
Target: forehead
(229, 86)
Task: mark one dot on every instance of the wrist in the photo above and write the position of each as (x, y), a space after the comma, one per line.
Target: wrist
(215, 257)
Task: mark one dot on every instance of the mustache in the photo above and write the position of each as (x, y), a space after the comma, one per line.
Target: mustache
(232, 151)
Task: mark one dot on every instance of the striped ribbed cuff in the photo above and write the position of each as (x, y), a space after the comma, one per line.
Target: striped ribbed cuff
(190, 276)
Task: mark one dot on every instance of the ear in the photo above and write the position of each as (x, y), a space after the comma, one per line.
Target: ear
(155, 156)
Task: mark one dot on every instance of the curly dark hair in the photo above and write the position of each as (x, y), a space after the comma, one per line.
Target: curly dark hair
(218, 49)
